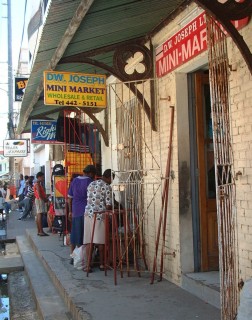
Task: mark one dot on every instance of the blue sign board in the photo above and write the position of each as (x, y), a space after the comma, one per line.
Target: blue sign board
(44, 132)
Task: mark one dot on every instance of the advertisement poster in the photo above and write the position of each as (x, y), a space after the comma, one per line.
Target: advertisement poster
(75, 89)
(15, 148)
(20, 85)
(60, 194)
(44, 132)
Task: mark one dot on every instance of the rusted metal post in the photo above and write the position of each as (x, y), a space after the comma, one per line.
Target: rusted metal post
(164, 201)
(167, 188)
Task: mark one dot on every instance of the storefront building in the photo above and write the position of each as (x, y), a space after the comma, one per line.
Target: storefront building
(177, 133)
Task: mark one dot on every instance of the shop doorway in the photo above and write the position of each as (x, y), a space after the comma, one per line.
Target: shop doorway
(206, 202)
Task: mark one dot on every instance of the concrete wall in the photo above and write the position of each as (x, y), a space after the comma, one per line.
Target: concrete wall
(241, 119)
(173, 86)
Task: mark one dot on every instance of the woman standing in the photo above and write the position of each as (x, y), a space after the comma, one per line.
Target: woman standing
(99, 198)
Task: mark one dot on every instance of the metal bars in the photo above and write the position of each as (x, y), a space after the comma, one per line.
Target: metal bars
(137, 150)
(225, 186)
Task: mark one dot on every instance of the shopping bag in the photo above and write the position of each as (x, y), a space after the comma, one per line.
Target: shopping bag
(80, 257)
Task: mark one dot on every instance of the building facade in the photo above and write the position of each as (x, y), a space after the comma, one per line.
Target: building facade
(178, 140)
(200, 226)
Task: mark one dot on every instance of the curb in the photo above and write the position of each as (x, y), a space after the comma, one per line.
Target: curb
(61, 280)
(50, 305)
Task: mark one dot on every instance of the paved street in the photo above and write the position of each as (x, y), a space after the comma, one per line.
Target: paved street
(96, 297)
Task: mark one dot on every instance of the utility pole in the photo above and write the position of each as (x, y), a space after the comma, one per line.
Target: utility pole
(10, 91)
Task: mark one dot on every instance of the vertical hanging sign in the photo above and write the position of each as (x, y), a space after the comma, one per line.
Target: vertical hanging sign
(20, 85)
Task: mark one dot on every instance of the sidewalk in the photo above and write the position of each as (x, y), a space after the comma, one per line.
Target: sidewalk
(96, 297)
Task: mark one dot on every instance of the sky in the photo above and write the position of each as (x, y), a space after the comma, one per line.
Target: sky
(17, 15)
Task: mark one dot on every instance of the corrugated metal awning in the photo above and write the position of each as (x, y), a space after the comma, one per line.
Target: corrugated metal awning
(87, 32)
(93, 28)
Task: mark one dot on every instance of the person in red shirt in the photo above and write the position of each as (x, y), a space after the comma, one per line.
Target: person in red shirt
(40, 202)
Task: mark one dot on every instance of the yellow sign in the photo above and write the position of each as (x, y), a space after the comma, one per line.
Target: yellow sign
(75, 89)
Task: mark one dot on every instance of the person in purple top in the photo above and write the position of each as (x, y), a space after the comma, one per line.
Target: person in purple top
(77, 201)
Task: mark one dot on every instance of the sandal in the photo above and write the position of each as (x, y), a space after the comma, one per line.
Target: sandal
(87, 270)
(101, 268)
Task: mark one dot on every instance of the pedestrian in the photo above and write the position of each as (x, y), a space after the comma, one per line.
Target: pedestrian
(99, 198)
(40, 202)
(77, 200)
(28, 200)
(1, 202)
(3, 189)
(7, 206)
(21, 187)
(26, 185)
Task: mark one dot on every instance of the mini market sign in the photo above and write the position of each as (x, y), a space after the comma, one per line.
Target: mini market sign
(75, 89)
(186, 44)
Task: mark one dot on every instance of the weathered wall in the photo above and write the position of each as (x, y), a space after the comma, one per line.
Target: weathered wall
(241, 119)
(174, 88)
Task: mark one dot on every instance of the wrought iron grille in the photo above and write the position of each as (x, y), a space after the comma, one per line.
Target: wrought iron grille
(138, 167)
(225, 185)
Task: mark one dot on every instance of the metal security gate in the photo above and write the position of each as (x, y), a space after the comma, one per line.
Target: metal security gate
(225, 185)
(137, 150)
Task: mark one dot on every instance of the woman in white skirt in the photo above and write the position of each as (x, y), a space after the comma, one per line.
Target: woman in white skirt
(99, 198)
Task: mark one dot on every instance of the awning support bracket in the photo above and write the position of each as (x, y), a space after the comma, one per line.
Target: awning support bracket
(225, 13)
(120, 57)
